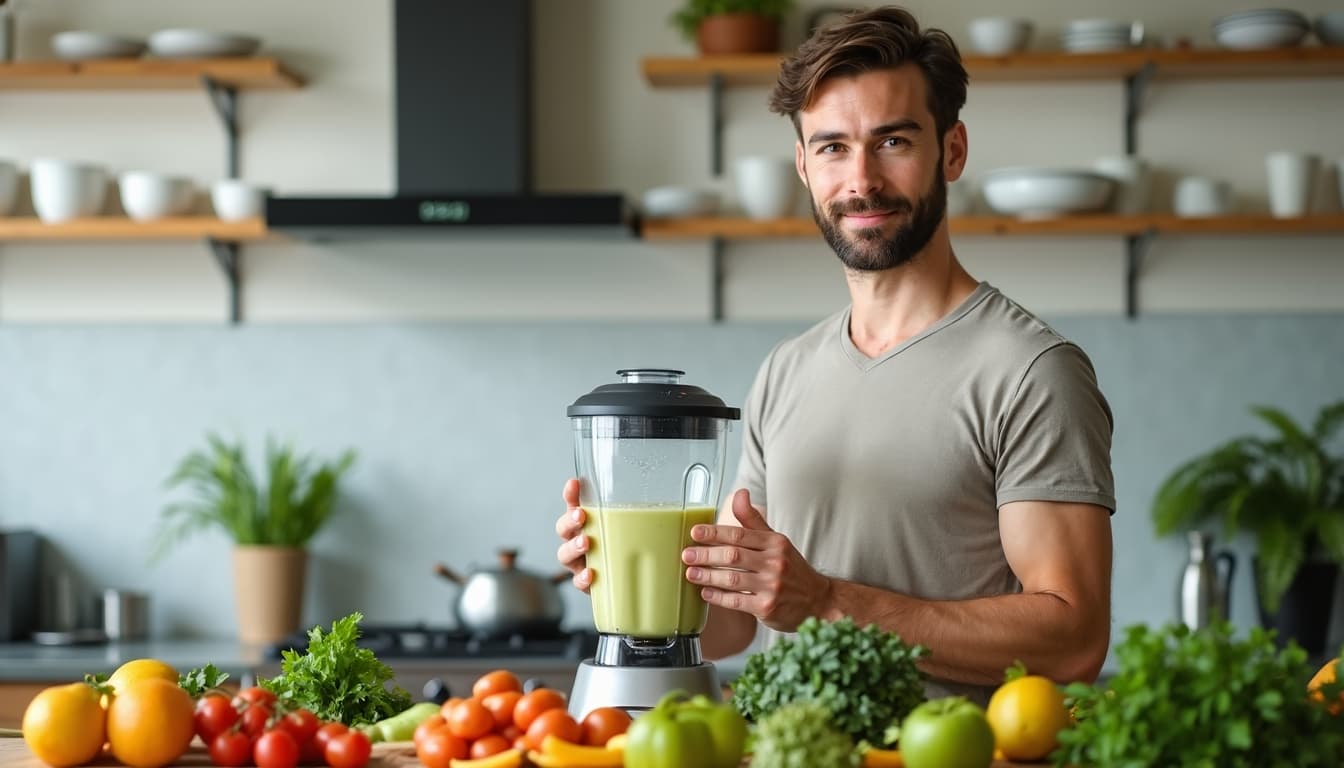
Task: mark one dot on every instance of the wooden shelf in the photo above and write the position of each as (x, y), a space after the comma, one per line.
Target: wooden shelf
(118, 228)
(1073, 225)
(243, 73)
(762, 69)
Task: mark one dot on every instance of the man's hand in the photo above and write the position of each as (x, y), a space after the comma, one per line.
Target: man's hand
(755, 570)
(573, 551)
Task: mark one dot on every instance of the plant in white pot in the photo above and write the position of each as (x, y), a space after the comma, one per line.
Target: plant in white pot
(270, 525)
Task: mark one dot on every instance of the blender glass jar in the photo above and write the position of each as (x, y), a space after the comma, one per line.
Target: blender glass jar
(649, 452)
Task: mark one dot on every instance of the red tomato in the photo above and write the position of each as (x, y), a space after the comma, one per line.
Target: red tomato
(214, 715)
(602, 723)
(490, 745)
(349, 750)
(495, 682)
(276, 749)
(327, 732)
(439, 748)
(534, 703)
(431, 723)
(255, 719)
(470, 720)
(501, 707)
(555, 722)
(301, 724)
(231, 748)
(255, 695)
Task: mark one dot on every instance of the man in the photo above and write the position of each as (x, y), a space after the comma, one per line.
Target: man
(932, 459)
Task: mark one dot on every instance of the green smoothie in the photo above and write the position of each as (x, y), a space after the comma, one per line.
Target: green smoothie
(639, 582)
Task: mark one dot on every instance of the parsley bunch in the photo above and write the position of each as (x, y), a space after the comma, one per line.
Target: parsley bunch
(865, 678)
(1201, 698)
(336, 679)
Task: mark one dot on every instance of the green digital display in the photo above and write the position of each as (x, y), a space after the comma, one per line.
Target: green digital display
(454, 211)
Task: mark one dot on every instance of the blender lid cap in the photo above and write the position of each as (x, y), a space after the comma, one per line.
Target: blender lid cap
(654, 392)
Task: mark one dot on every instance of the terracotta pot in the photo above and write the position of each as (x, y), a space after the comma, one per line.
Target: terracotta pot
(268, 592)
(737, 33)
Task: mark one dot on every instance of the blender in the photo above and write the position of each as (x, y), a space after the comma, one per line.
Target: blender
(649, 452)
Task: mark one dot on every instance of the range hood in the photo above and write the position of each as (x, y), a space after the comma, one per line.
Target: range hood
(463, 94)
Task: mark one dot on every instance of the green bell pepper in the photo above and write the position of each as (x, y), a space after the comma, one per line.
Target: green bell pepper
(686, 734)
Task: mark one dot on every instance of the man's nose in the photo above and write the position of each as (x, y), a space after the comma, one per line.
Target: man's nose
(865, 175)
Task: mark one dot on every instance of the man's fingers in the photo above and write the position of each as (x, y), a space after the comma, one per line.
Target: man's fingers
(583, 579)
(746, 514)
(572, 551)
(731, 535)
(571, 492)
(570, 523)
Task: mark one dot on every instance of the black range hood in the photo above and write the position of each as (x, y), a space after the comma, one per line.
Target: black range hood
(463, 94)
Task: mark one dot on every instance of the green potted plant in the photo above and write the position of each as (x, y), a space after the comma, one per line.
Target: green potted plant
(270, 525)
(1287, 493)
(732, 26)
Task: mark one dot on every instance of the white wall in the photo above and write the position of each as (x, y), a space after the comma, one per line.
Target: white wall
(599, 126)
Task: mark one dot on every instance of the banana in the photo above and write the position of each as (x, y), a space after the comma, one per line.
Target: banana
(512, 758)
(569, 754)
(616, 742)
(883, 758)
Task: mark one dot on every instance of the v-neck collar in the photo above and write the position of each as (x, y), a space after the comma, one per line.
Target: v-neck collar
(865, 363)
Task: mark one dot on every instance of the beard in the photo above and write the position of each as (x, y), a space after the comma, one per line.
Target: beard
(868, 249)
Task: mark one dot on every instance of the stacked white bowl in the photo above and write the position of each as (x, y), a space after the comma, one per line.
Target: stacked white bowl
(998, 35)
(147, 195)
(1092, 35)
(1044, 192)
(1268, 28)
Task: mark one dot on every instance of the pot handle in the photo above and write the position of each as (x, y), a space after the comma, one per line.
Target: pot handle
(561, 577)
(445, 572)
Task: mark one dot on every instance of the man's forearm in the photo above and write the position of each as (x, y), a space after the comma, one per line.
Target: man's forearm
(973, 641)
(727, 632)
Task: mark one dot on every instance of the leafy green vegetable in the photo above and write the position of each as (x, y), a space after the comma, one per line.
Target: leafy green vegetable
(338, 680)
(865, 678)
(1201, 698)
(198, 682)
(802, 734)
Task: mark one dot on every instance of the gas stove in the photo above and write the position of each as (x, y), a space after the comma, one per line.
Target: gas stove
(420, 641)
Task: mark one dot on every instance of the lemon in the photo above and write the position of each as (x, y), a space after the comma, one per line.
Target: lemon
(1026, 716)
(65, 725)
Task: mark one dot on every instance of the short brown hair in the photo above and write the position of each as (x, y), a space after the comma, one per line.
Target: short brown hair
(881, 38)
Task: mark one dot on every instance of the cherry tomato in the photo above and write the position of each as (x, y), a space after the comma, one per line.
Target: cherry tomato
(448, 705)
(255, 719)
(533, 704)
(439, 748)
(489, 745)
(470, 720)
(231, 748)
(214, 715)
(276, 749)
(301, 724)
(431, 723)
(501, 707)
(495, 682)
(601, 724)
(255, 695)
(511, 732)
(520, 743)
(349, 750)
(553, 722)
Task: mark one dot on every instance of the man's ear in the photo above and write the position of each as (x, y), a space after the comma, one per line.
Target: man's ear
(798, 161)
(954, 151)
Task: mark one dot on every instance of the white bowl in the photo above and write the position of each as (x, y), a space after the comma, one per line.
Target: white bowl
(998, 35)
(1260, 34)
(235, 199)
(1330, 28)
(64, 190)
(1034, 192)
(147, 196)
(200, 43)
(78, 45)
(9, 187)
(1283, 15)
(674, 202)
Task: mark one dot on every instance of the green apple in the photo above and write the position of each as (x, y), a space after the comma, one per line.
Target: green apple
(947, 733)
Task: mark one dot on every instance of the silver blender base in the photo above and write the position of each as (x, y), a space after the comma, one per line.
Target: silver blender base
(637, 689)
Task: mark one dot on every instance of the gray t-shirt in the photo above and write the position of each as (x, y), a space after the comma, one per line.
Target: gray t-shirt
(890, 471)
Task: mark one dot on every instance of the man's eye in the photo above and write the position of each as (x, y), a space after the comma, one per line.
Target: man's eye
(832, 148)
(895, 141)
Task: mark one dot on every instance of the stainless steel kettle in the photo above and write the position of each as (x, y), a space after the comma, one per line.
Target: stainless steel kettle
(1206, 582)
(507, 600)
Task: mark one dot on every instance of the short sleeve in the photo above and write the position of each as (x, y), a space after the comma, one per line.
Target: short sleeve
(751, 466)
(1055, 436)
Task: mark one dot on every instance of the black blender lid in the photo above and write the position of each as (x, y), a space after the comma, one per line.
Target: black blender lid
(659, 394)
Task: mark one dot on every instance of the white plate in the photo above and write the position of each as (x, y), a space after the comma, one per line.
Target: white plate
(77, 45)
(200, 43)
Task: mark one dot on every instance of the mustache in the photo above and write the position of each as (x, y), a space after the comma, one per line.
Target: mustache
(873, 204)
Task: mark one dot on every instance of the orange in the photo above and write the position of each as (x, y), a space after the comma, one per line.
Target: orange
(1324, 676)
(141, 669)
(65, 725)
(1026, 716)
(149, 723)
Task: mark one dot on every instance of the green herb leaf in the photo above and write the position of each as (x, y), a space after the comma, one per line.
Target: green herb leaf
(1018, 670)
(199, 682)
(336, 679)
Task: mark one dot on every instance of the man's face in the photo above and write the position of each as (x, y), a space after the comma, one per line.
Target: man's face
(875, 166)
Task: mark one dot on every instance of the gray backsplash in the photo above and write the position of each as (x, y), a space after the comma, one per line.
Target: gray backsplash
(463, 442)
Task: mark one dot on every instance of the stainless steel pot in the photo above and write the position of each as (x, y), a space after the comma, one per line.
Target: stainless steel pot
(507, 600)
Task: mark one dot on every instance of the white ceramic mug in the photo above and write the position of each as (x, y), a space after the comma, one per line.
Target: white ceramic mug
(1292, 177)
(146, 195)
(235, 199)
(1201, 196)
(766, 186)
(1132, 182)
(9, 187)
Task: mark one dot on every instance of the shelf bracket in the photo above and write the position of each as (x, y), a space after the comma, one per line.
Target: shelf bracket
(225, 100)
(226, 254)
(716, 247)
(1136, 249)
(1135, 85)
(716, 123)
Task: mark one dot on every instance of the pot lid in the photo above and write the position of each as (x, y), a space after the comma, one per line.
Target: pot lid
(651, 392)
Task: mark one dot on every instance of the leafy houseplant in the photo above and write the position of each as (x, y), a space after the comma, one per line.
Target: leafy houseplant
(1287, 491)
(732, 26)
(270, 525)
